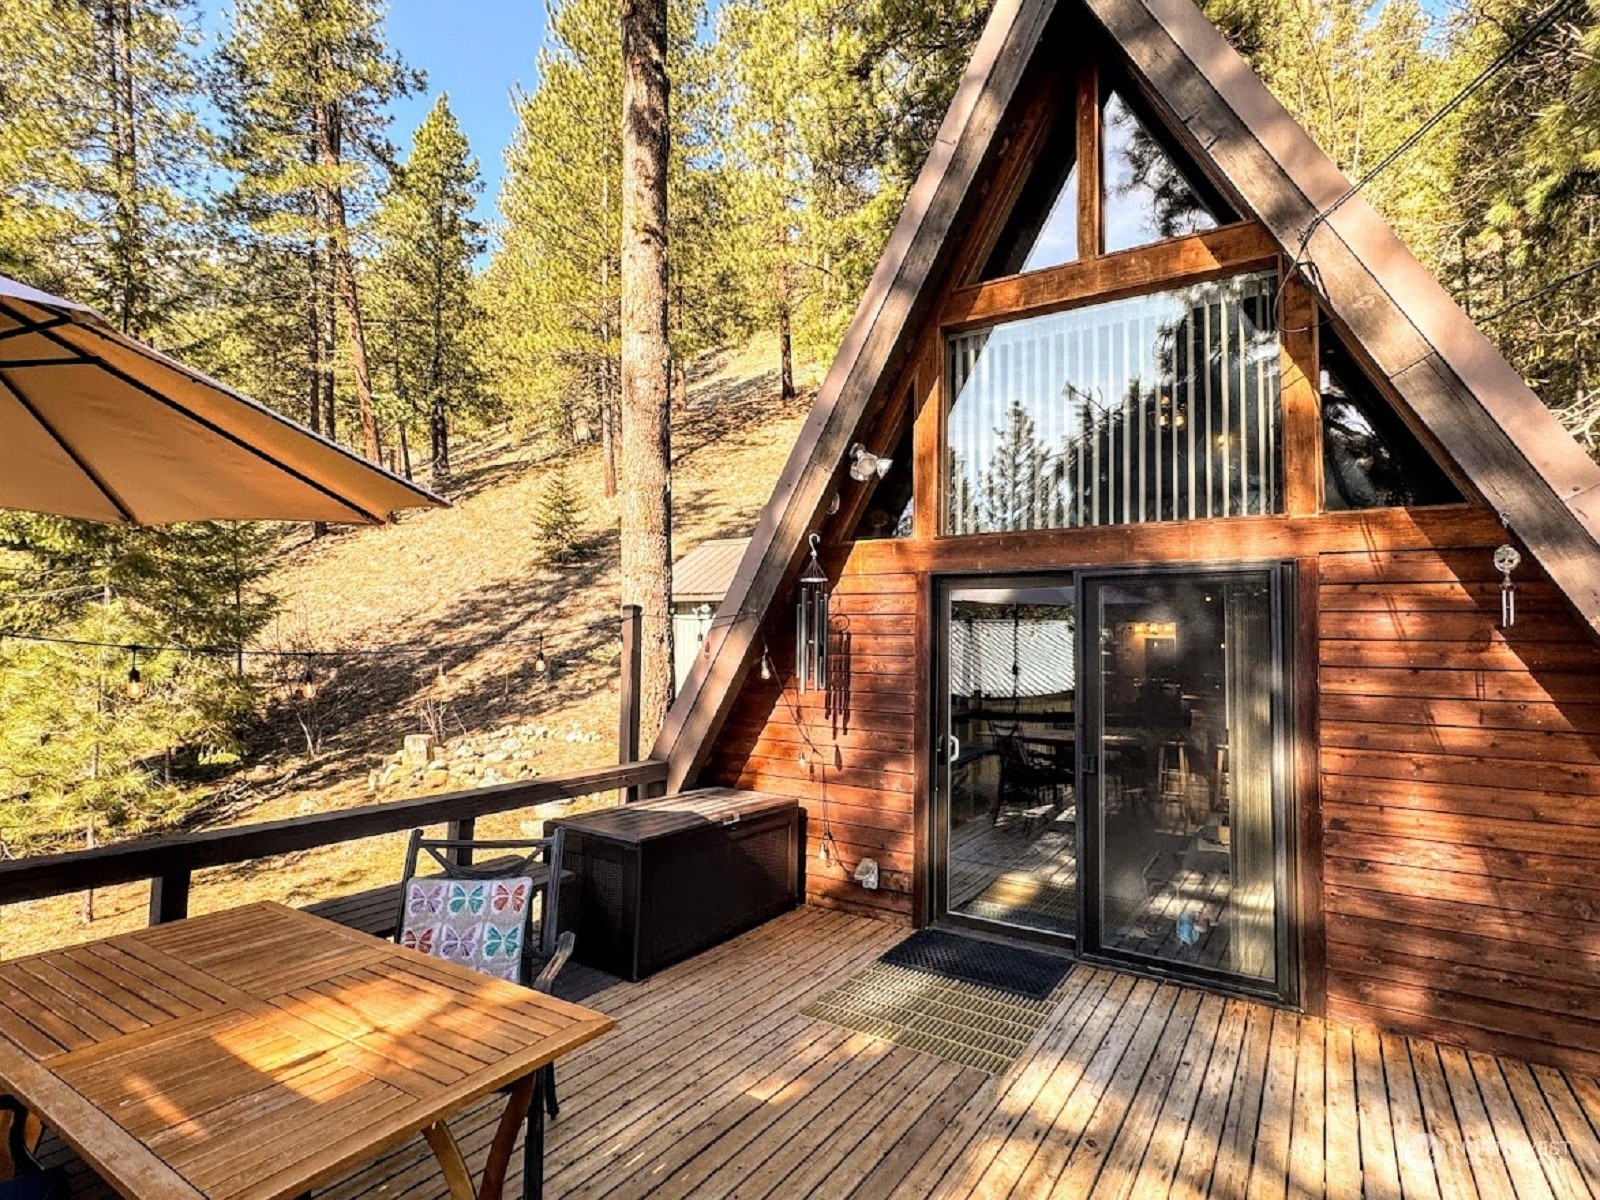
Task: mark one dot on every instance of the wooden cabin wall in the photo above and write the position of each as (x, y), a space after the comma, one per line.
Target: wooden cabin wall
(857, 737)
(1460, 796)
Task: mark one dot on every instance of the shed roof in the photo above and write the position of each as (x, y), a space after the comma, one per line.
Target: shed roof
(1457, 385)
(705, 572)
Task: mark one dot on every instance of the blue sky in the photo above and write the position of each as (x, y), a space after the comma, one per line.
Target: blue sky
(476, 50)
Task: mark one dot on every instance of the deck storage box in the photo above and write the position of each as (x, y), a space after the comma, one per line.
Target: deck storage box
(661, 880)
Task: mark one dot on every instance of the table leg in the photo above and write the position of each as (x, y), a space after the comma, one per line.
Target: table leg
(533, 1146)
(505, 1137)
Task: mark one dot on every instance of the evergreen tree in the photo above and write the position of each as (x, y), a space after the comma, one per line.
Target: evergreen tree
(429, 324)
(557, 521)
(304, 88)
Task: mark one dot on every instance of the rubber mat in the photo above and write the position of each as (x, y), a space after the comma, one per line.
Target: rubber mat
(988, 964)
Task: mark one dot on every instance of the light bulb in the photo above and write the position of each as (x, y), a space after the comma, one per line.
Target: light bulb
(135, 684)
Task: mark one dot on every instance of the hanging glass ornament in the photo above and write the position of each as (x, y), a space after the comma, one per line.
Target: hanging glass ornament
(811, 625)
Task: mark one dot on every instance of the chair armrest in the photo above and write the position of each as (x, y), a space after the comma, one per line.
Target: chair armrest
(545, 981)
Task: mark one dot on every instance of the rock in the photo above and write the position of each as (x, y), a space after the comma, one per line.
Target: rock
(373, 781)
(420, 748)
(390, 774)
(511, 745)
(436, 777)
(496, 756)
(490, 775)
(260, 773)
(438, 764)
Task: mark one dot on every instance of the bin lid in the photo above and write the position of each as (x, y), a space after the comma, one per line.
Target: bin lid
(649, 820)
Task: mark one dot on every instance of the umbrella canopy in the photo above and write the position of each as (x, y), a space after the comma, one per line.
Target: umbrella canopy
(96, 425)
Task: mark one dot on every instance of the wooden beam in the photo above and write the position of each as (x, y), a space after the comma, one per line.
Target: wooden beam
(927, 482)
(169, 896)
(1301, 372)
(1172, 263)
(1091, 165)
(632, 667)
(1231, 539)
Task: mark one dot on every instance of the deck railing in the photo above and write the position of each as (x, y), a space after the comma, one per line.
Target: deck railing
(170, 862)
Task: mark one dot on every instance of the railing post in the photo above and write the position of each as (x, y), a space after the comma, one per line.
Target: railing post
(169, 897)
(632, 667)
(461, 831)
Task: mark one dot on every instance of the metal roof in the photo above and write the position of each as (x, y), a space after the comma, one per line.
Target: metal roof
(703, 574)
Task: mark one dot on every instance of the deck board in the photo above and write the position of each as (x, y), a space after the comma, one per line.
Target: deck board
(714, 1085)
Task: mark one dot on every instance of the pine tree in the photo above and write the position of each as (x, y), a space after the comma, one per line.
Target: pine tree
(428, 320)
(557, 522)
(304, 88)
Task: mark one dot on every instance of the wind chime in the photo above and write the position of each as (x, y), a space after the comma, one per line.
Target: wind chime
(1506, 560)
(811, 625)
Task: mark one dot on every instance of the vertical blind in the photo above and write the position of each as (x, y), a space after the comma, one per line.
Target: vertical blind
(1156, 408)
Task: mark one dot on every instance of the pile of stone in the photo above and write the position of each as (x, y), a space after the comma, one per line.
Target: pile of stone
(473, 760)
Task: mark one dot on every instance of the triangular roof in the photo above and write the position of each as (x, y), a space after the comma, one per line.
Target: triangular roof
(1456, 384)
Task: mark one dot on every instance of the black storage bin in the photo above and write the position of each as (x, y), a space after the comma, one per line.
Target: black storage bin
(661, 880)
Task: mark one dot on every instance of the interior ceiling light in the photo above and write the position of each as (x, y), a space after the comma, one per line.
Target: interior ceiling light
(866, 466)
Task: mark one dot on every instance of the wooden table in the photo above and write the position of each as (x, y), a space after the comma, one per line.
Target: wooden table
(261, 1052)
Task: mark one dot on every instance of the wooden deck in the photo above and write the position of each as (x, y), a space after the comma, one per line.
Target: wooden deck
(713, 1084)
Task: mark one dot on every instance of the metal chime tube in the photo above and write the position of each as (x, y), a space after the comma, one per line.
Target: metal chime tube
(811, 626)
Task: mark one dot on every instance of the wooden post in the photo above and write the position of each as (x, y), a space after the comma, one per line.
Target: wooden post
(169, 897)
(632, 669)
(461, 831)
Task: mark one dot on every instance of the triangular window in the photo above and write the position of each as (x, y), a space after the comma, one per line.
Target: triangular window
(1370, 458)
(1042, 230)
(1148, 197)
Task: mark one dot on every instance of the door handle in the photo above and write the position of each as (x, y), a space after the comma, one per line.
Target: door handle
(955, 747)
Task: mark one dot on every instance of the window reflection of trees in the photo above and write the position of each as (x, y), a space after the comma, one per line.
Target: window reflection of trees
(1189, 428)
(1147, 197)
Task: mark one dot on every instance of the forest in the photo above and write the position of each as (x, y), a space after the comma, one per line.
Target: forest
(231, 187)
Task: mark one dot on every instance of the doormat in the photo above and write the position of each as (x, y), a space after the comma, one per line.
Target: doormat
(1025, 973)
(956, 1020)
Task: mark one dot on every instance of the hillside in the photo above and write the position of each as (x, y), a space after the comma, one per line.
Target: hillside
(461, 596)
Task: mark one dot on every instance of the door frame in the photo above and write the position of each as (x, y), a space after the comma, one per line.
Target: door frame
(939, 790)
(1288, 938)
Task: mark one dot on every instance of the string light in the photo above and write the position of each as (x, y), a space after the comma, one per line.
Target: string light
(766, 662)
(540, 663)
(308, 682)
(135, 680)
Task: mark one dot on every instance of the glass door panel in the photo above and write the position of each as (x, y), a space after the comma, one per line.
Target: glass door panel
(1185, 720)
(1007, 821)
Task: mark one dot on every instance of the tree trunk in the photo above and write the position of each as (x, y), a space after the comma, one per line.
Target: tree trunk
(608, 432)
(330, 152)
(785, 354)
(646, 435)
(127, 276)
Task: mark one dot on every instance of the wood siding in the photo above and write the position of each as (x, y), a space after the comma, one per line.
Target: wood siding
(1460, 805)
(856, 739)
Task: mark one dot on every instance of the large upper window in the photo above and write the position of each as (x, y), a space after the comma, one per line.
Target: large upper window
(1157, 408)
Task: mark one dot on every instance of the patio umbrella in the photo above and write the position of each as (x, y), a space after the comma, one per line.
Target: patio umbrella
(96, 425)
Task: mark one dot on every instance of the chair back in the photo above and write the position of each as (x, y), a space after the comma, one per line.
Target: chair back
(480, 914)
(1008, 745)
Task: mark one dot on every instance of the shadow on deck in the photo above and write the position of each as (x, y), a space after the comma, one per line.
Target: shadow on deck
(713, 1084)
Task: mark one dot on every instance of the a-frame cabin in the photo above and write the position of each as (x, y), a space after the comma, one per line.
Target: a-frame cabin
(1173, 634)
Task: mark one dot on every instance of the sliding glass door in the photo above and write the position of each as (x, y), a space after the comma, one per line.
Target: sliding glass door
(1183, 779)
(1111, 768)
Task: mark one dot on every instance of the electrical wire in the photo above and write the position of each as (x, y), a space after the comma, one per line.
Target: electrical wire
(1540, 293)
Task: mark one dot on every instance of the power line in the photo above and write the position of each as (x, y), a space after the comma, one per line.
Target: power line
(1535, 30)
(1540, 293)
